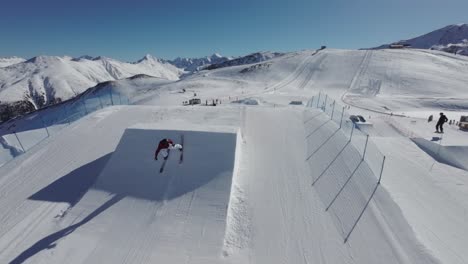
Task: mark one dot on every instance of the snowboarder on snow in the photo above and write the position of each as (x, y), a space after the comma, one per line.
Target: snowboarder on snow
(164, 146)
(440, 123)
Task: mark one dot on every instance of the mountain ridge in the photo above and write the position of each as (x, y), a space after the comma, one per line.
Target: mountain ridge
(451, 38)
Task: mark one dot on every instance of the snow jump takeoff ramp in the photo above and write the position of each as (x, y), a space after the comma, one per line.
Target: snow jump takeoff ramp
(135, 214)
(132, 170)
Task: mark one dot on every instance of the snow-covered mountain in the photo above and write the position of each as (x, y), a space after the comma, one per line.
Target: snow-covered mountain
(195, 64)
(44, 80)
(452, 38)
(4, 62)
(249, 59)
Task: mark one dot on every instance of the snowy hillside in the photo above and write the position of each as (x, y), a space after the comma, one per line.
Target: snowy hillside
(195, 64)
(261, 180)
(451, 39)
(4, 62)
(45, 80)
(248, 59)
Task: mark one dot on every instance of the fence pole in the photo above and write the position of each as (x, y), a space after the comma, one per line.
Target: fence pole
(352, 130)
(365, 147)
(66, 110)
(120, 98)
(381, 169)
(43, 124)
(110, 94)
(311, 102)
(17, 138)
(100, 101)
(318, 100)
(84, 104)
(325, 104)
(333, 110)
(342, 114)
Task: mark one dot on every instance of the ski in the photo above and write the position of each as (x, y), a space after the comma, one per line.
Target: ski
(164, 162)
(181, 158)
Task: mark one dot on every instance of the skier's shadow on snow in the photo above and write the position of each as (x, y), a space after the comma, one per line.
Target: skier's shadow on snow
(50, 241)
(71, 187)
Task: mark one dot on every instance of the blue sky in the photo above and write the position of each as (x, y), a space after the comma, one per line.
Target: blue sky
(127, 30)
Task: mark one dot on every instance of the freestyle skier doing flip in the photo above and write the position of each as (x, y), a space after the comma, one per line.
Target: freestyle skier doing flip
(164, 146)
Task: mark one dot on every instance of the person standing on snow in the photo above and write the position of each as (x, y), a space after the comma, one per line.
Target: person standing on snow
(440, 123)
(164, 146)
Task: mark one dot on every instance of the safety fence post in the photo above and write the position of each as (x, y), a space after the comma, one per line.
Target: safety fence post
(318, 100)
(110, 94)
(381, 169)
(342, 114)
(100, 101)
(333, 110)
(17, 138)
(44, 125)
(365, 147)
(352, 130)
(325, 104)
(84, 104)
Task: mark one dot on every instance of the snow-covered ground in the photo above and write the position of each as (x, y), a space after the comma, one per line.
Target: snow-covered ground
(262, 181)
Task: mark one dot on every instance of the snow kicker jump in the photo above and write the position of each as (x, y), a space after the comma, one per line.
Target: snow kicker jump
(135, 214)
(132, 170)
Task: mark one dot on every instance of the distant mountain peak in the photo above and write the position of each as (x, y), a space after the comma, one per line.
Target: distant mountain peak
(216, 55)
(83, 57)
(195, 64)
(43, 59)
(451, 38)
(148, 57)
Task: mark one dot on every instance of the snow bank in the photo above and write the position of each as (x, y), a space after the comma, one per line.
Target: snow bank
(456, 156)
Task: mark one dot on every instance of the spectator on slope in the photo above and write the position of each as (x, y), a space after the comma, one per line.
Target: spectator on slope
(164, 146)
(440, 123)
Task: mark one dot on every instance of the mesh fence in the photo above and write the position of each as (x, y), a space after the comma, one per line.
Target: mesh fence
(349, 124)
(346, 172)
(27, 132)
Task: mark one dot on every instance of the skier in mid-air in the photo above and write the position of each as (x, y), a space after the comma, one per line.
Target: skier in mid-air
(164, 146)
(440, 123)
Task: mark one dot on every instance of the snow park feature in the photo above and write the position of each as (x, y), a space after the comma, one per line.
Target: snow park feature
(172, 210)
(263, 182)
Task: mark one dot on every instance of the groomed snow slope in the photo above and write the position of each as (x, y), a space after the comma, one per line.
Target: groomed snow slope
(287, 220)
